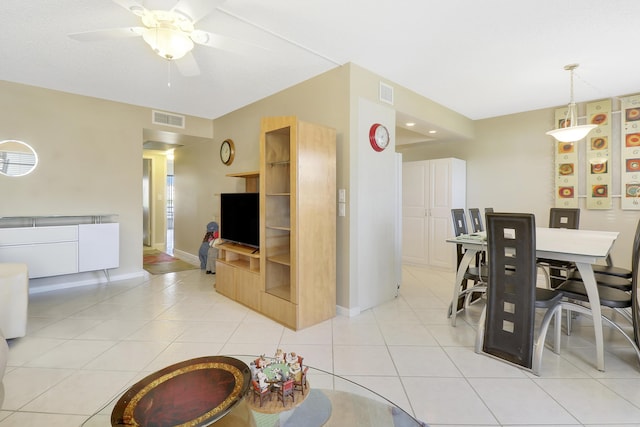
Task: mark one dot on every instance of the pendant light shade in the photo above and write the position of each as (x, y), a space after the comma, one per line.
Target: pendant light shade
(570, 130)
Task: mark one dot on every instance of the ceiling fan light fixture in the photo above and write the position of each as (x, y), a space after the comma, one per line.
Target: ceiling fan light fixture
(570, 130)
(167, 42)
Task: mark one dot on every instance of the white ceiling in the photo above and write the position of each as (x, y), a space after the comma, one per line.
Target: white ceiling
(481, 58)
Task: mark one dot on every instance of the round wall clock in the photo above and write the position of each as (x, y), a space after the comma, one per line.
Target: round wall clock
(378, 137)
(227, 151)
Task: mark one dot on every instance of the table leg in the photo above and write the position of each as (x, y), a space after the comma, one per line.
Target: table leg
(591, 287)
(469, 254)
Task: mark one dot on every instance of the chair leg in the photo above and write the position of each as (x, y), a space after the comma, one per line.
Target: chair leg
(624, 312)
(557, 320)
(587, 311)
(551, 313)
(480, 331)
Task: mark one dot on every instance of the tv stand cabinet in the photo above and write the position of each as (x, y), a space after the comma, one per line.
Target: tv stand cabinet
(238, 273)
(292, 279)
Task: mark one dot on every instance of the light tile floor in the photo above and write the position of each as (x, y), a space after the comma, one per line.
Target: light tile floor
(86, 345)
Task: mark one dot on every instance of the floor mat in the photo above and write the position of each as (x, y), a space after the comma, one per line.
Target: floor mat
(157, 262)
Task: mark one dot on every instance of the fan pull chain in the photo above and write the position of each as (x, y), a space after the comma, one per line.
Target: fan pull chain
(168, 74)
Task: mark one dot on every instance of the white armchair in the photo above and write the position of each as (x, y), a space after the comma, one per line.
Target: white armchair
(14, 298)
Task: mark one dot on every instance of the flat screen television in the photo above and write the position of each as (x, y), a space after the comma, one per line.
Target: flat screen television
(240, 218)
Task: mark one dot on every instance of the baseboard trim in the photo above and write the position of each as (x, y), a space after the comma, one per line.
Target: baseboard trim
(48, 284)
(349, 312)
(187, 257)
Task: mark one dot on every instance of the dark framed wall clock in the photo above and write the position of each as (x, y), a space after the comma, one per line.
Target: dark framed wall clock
(227, 151)
(379, 137)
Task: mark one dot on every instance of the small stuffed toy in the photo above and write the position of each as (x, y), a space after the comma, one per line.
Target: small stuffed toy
(210, 236)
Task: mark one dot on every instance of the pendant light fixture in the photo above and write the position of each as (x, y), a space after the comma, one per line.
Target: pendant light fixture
(570, 131)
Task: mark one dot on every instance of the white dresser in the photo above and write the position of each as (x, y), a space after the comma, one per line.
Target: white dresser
(58, 245)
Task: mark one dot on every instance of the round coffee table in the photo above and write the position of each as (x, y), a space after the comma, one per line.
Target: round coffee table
(355, 406)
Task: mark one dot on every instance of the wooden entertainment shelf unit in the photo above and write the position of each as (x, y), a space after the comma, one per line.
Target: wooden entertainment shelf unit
(238, 274)
(292, 279)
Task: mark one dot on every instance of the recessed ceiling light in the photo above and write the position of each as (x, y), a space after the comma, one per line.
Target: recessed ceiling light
(433, 131)
(410, 124)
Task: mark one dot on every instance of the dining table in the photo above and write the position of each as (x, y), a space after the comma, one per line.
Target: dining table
(582, 247)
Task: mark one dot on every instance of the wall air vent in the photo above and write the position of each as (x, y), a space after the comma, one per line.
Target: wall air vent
(386, 93)
(167, 119)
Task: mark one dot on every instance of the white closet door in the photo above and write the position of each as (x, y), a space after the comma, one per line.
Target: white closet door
(430, 189)
(415, 211)
(441, 253)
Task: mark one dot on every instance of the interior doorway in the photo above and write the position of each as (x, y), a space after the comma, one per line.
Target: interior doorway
(146, 202)
(170, 204)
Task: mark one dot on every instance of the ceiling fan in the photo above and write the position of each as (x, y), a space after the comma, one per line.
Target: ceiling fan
(170, 33)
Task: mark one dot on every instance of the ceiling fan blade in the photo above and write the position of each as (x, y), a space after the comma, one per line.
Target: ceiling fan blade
(195, 9)
(224, 43)
(187, 65)
(132, 6)
(113, 33)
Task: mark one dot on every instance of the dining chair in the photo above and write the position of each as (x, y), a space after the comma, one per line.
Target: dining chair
(486, 211)
(478, 227)
(476, 274)
(507, 324)
(259, 393)
(476, 220)
(620, 301)
(608, 280)
(611, 270)
(302, 384)
(557, 271)
(286, 389)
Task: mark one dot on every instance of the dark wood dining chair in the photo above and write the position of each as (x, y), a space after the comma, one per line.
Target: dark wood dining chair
(286, 389)
(302, 384)
(259, 393)
(507, 324)
(477, 274)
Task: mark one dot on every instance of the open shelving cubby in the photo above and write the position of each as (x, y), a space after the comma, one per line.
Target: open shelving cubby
(278, 212)
(297, 176)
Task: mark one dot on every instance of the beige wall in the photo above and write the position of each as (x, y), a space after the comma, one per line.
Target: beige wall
(90, 153)
(201, 176)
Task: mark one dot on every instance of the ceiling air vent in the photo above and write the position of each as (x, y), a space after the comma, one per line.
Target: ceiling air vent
(386, 93)
(167, 119)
